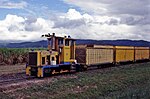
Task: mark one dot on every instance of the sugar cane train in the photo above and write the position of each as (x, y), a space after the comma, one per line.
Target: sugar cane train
(63, 55)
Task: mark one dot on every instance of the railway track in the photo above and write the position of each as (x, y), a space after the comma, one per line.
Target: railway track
(20, 77)
(9, 83)
(13, 78)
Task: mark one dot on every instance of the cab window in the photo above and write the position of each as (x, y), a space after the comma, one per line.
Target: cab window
(66, 42)
(72, 43)
(43, 60)
(60, 42)
(53, 58)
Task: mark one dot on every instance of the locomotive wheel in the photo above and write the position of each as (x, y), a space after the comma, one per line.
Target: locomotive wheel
(84, 67)
(78, 68)
(47, 72)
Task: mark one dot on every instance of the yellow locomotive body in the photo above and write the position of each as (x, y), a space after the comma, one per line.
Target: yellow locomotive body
(60, 57)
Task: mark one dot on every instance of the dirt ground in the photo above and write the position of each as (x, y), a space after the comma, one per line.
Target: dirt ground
(8, 69)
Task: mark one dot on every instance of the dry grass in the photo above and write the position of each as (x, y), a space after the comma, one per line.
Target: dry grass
(8, 69)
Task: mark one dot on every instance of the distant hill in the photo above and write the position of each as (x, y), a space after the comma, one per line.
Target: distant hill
(43, 43)
(25, 44)
(116, 42)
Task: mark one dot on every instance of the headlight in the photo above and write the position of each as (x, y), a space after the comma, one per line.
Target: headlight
(75, 61)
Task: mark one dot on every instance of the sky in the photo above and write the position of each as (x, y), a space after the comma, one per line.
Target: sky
(27, 20)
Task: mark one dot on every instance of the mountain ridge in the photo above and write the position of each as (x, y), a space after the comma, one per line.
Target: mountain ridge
(43, 43)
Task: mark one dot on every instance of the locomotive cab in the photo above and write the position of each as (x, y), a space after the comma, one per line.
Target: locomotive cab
(60, 57)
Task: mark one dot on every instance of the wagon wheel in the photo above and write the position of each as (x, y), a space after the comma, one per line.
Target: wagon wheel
(84, 67)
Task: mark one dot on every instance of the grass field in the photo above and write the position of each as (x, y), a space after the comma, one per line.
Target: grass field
(123, 82)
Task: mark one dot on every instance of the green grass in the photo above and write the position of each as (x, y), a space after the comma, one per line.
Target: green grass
(12, 51)
(124, 82)
(7, 52)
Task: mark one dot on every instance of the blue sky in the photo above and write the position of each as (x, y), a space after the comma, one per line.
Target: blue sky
(26, 20)
(36, 6)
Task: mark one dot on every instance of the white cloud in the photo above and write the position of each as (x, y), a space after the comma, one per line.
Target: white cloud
(72, 14)
(23, 29)
(111, 7)
(119, 19)
(96, 27)
(89, 6)
(73, 23)
(135, 12)
(7, 4)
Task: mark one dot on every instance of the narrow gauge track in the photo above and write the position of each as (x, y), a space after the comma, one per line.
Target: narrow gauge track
(9, 81)
(21, 77)
(13, 78)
